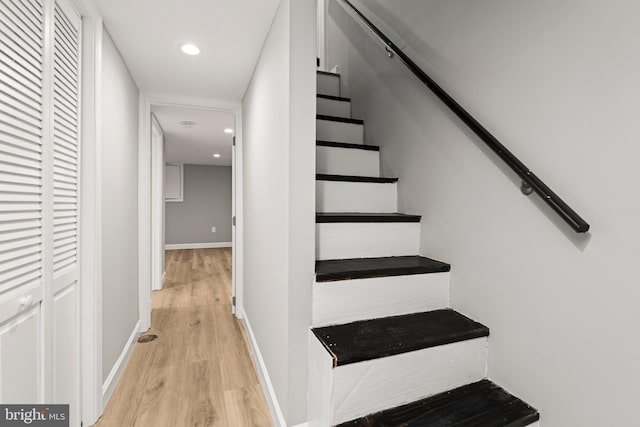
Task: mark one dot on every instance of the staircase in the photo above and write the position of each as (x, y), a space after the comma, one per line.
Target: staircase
(386, 349)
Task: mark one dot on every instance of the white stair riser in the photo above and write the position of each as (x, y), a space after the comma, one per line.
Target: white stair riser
(329, 130)
(328, 85)
(347, 301)
(364, 388)
(332, 107)
(338, 196)
(364, 240)
(347, 161)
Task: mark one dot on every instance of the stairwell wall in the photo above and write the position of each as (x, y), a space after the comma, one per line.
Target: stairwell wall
(279, 206)
(557, 84)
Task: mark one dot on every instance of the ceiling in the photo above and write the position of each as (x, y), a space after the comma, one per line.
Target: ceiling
(197, 144)
(229, 33)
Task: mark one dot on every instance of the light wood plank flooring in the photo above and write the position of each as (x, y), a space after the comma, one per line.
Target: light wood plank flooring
(199, 371)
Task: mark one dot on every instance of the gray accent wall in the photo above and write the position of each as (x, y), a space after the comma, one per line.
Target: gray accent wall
(119, 176)
(206, 203)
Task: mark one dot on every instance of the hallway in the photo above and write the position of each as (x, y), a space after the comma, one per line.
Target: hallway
(198, 372)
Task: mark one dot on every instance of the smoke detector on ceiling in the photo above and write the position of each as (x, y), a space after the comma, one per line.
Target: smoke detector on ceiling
(187, 124)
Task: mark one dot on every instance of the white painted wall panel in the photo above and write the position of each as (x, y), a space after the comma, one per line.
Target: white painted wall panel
(20, 355)
(363, 388)
(65, 360)
(328, 130)
(119, 170)
(346, 301)
(368, 197)
(278, 130)
(265, 110)
(347, 161)
(363, 240)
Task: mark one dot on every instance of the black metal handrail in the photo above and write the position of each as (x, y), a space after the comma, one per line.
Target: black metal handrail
(530, 182)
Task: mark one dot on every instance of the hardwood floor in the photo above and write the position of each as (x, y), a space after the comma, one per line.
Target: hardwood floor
(198, 372)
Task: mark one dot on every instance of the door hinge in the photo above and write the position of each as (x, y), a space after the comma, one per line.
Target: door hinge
(233, 301)
(233, 221)
(234, 141)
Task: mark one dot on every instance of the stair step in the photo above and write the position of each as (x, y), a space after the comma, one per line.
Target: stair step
(343, 159)
(347, 145)
(481, 404)
(333, 106)
(350, 236)
(363, 268)
(349, 290)
(325, 218)
(353, 178)
(333, 97)
(328, 83)
(327, 73)
(349, 194)
(373, 339)
(339, 129)
(339, 119)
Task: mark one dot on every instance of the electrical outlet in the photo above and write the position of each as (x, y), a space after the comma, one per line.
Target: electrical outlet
(213, 229)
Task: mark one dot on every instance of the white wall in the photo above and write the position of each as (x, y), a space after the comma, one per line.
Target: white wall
(279, 201)
(119, 205)
(558, 84)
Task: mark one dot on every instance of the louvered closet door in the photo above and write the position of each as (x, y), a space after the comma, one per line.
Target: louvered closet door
(39, 131)
(21, 200)
(66, 111)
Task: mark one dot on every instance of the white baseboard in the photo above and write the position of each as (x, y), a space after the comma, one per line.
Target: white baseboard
(164, 276)
(267, 386)
(113, 377)
(198, 245)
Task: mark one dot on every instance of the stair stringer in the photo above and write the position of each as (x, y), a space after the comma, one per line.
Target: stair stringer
(342, 393)
(345, 301)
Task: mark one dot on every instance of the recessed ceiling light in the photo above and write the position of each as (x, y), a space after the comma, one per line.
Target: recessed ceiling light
(190, 49)
(187, 123)
(216, 155)
(228, 130)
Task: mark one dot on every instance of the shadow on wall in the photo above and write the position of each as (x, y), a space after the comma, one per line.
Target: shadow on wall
(383, 16)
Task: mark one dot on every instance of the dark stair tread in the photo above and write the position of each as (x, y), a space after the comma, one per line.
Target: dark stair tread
(333, 217)
(339, 119)
(362, 268)
(333, 97)
(327, 73)
(377, 338)
(347, 145)
(481, 404)
(354, 178)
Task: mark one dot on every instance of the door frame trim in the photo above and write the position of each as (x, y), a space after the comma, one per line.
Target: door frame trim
(90, 214)
(148, 210)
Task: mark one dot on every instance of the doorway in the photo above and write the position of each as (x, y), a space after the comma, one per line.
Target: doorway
(207, 136)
